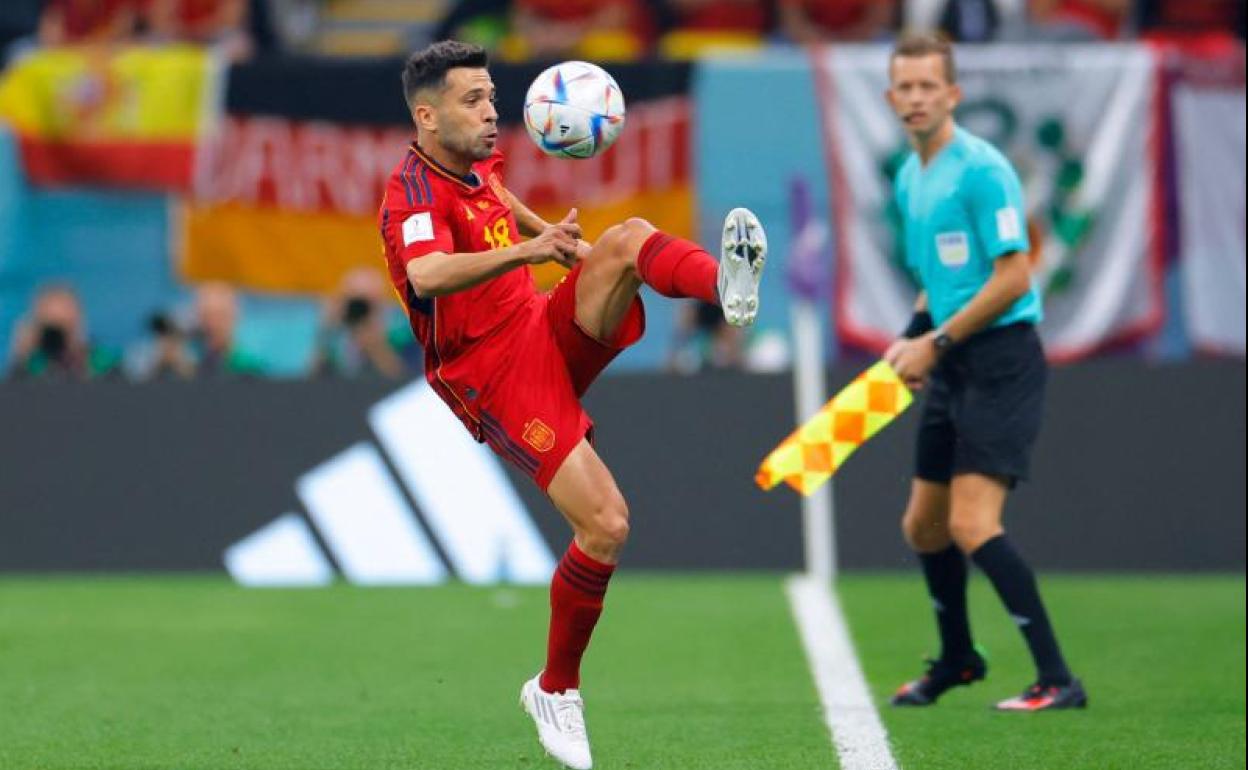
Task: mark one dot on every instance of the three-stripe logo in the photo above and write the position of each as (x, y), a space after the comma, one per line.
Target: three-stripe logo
(465, 499)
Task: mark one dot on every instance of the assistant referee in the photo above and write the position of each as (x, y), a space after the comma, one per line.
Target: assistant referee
(972, 346)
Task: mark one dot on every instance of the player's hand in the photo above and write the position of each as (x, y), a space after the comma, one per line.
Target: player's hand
(569, 225)
(912, 359)
(554, 244)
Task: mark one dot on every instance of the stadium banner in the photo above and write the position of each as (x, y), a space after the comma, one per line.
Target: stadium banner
(289, 195)
(1082, 125)
(381, 485)
(1207, 109)
(128, 117)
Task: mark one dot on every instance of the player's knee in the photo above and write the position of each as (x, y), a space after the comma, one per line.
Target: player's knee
(637, 227)
(622, 242)
(609, 527)
(924, 534)
(615, 530)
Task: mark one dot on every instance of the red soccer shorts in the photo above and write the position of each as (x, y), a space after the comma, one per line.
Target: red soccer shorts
(531, 412)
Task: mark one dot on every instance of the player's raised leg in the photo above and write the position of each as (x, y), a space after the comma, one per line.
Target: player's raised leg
(926, 528)
(586, 494)
(634, 252)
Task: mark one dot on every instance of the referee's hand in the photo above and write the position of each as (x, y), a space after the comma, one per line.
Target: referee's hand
(912, 359)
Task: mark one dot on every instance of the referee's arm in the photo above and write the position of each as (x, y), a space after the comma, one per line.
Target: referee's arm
(1010, 280)
(913, 359)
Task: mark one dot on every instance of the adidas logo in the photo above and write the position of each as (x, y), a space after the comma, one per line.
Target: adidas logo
(468, 506)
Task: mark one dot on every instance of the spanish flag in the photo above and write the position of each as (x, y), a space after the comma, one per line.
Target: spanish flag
(129, 117)
(809, 457)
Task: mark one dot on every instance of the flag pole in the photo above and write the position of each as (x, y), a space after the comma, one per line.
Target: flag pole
(808, 283)
(810, 392)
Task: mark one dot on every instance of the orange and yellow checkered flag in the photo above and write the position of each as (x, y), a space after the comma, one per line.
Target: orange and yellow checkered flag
(813, 453)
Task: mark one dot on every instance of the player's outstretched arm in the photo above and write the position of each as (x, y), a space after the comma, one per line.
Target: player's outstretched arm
(438, 273)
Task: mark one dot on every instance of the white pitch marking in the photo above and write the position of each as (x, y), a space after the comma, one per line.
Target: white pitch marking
(857, 733)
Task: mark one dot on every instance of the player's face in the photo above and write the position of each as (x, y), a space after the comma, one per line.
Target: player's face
(920, 93)
(467, 123)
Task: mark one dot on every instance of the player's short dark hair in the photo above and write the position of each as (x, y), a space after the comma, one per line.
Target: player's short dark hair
(917, 44)
(427, 68)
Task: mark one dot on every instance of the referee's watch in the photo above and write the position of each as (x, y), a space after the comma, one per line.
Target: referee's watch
(942, 342)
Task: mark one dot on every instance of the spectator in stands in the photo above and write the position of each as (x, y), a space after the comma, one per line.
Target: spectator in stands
(223, 23)
(1191, 21)
(167, 356)
(980, 21)
(19, 26)
(480, 22)
(212, 342)
(695, 26)
(813, 21)
(592, 29)
(52, 343)
(355, 340)
(1077, 20)
(704, 341)
(71, 22)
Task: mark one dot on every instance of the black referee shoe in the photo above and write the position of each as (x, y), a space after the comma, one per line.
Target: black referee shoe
(1045, 697)
(941, 676)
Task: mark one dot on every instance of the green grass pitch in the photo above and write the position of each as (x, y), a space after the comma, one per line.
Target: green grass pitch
(686, 673)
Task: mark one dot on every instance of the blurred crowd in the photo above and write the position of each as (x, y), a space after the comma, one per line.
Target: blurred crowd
(597, 29)
(606, 29)
(360, 334)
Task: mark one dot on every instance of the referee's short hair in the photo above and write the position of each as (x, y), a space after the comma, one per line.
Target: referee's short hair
(917, 44)
(427, 68)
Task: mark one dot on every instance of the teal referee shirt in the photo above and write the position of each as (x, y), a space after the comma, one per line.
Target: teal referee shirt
(961, 212)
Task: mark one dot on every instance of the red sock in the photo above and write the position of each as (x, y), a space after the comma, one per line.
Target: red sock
(576, 594)
(675, 267)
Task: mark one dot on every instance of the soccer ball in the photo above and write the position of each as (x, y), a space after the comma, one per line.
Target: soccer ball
(574, 110)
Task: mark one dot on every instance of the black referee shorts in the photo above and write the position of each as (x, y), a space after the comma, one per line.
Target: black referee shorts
(983, 408)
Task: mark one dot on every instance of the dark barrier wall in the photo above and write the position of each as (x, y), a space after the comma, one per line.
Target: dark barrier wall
(1138, 468)
(369, 92)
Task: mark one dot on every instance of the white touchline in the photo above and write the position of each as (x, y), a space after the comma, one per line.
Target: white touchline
(857, 733)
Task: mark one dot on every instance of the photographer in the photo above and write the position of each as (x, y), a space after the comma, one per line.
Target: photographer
(353, 340)
(168, 357)
(52, 343)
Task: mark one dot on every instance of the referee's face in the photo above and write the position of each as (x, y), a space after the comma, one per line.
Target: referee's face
(921, 94)
(466, 121)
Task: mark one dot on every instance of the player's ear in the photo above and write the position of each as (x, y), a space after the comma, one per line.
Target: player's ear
(955, 93)
(424, 116)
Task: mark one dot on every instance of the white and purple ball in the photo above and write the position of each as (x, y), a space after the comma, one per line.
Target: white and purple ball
(574, 110)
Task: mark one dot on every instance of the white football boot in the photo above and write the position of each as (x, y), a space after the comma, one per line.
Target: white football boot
(560, 723)
(743, 253)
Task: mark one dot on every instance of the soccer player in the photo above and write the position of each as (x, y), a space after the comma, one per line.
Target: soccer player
(972, 345)
(511, 362)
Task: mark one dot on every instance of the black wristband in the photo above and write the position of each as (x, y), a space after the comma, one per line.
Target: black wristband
(920, 324)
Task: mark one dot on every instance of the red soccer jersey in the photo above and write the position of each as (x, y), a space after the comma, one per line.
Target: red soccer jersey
(426, 209)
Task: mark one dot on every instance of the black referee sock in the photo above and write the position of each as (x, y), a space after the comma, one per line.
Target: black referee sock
(945, 572)
(1016, 585)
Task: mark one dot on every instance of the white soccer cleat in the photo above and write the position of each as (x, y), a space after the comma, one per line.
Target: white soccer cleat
(560, 723)
(743, 253)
